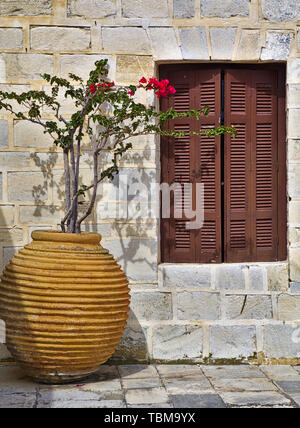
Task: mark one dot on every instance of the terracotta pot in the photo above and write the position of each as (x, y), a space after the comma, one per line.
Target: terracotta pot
(65, 302)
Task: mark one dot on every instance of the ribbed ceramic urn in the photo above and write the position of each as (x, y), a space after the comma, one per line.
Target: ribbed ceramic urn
(65, 302)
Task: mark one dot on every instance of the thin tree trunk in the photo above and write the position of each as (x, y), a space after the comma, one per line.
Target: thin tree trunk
(67, 183)
(74, 188)
(94, 195)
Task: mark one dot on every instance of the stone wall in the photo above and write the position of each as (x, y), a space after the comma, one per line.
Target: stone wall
(179, 312)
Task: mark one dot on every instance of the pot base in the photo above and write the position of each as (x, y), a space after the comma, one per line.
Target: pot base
(60, 378)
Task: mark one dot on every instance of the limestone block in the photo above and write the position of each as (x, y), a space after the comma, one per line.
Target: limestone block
(221, 50)
(184, 8)
(133, 345)
(198, 305)
(294, 236)
(249, 45)
(281, 10)
(138, 181)
(293, 150)
(11, 38)
(257, 278)
(39, 214)
(138, 158)
(130, 68)
(293, 96)
(164, 43)
(11, 236)
(289, 307)
(60, 38)
(27, 186)
(92, 8)
(142, 229)
(8, 253)
(294, 254)
(187, 275)
(142, 142)
(281, 341)
(138, 257)
(294, 213)
(294, 123)
(224, 8)
(46, 161)
(293, 180)
(125, 39)
(194, 43)
(9, 160)
(295, 287)
(233, 341)
(151, 305)
(293, 70)
(25, 7)
(177, 342)
(67, 104)
(104, 229)
(25, 66)
(278, 276)
(7, 215)
(27, 134)
(82, 65)
(230, 277)
(248, 307)
(18, 89)
(3, 133)
(1, 196)
(145, 8)
(277, 46)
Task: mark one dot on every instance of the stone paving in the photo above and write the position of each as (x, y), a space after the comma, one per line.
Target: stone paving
(159, 386)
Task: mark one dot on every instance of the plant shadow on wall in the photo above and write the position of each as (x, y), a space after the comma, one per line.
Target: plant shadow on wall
(46, 162)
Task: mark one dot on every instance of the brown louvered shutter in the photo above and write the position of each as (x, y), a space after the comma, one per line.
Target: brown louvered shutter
(192, 159)
(251, 166)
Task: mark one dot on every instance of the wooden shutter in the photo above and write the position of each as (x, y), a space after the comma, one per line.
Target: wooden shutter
(251, 165)
(192, 159)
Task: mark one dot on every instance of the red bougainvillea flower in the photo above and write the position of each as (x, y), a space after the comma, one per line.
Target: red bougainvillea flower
(153, 82)
(93, 89)
(163, 84)
(130, 93)
(162, 87)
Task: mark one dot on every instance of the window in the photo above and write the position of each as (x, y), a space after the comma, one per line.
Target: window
(244, 178)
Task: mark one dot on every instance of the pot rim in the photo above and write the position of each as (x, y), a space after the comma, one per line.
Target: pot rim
(59, 236)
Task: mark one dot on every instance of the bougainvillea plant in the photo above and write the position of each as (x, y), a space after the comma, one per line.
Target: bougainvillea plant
(108, 115)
